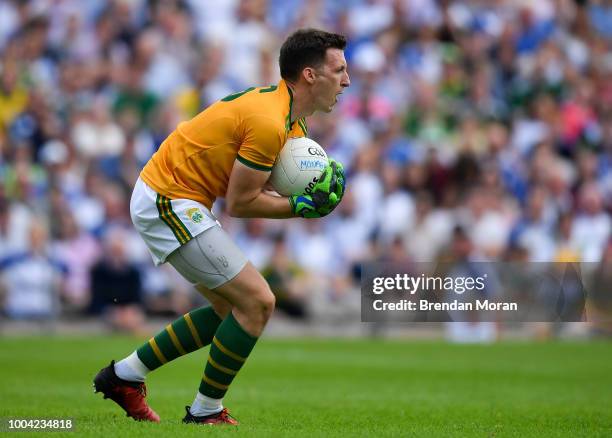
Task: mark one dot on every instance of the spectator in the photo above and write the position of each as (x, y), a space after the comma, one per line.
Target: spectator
(286, 279)
(32, 278)
(116, 286)
(78, 251)
(592, 227)
(13, 95)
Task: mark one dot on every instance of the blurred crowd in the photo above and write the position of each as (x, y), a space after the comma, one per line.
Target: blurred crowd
(484, 122)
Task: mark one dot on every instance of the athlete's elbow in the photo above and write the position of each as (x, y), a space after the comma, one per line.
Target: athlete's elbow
(235, 212)
(236, 209)
(231, 208)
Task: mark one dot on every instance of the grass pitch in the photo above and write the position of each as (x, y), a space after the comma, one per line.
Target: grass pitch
(340, 388)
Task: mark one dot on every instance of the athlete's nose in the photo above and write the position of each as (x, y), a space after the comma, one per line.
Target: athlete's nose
(346, 81)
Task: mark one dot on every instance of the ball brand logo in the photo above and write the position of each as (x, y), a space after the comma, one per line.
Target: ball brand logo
(316, 152)
(195, 215)
(310, 186)
(312, 165)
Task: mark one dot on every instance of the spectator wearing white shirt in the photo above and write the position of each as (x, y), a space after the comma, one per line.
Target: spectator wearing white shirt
(592, 226)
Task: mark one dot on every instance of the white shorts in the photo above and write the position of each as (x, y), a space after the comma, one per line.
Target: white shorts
(186, 234)
(165, 224)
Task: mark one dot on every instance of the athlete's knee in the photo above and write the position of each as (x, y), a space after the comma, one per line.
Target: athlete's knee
(267, 302)
(260, 304)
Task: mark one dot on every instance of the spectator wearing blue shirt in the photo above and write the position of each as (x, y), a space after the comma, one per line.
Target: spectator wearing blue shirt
(32, 279)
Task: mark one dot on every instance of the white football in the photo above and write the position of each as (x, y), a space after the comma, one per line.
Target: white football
(298, 166)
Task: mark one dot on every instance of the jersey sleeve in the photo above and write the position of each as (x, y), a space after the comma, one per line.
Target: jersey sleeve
(263, 140)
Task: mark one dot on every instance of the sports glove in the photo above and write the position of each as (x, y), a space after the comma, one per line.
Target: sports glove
(325, 195)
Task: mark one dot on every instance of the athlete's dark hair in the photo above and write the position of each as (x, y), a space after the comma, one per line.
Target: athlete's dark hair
(306, 48)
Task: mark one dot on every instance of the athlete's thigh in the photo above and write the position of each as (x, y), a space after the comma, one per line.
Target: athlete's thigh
(214, 260)
(211, 258)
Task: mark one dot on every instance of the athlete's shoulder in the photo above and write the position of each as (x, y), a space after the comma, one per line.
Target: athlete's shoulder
(272, 101)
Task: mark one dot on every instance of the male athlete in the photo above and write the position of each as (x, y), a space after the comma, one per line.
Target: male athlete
(227, 150)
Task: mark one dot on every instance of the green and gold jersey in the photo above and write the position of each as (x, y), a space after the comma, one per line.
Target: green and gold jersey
(196, 160)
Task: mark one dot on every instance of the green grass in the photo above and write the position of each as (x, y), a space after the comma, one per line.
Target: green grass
(340, 388)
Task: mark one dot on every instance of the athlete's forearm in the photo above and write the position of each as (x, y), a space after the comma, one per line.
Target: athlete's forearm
(263, 205)
(246, 195)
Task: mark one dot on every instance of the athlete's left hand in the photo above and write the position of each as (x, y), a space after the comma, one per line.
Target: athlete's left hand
(329, 190)
(325, 196)
(340, 178)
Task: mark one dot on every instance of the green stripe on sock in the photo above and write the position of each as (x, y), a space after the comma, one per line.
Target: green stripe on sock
(218, 376)
(205, 322)
(230, 348)
(235, 338)
(166, 346)
(224, 360)
(226, 351)
(221, 368)
(175, 340)
(184, 334)
(213, 389)
(147, 356)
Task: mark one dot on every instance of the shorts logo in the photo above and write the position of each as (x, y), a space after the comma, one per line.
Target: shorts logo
(223, 260)
(195, 215)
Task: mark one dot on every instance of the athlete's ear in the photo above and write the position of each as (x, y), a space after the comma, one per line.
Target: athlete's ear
(309, 75)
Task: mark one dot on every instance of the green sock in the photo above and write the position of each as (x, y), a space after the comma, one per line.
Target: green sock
(190, 332)
(229, 350)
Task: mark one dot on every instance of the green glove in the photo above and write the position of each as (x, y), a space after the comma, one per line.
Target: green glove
(303, 205)
(340, 179)
(325, 195)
